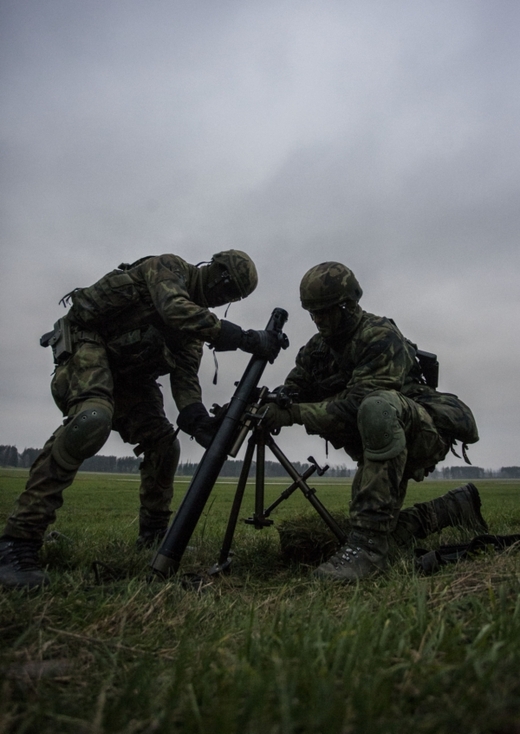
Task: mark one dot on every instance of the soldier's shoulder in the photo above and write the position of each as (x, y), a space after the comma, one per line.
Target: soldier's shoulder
(381, 324)
(160, 266)
(372, 318)
(169, 260)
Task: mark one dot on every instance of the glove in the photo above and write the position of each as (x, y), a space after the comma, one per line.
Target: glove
(275, 417)
(229, 337)
(195, 420)
(265, 344)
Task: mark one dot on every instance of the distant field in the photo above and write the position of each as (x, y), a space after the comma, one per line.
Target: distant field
(116, 495)
(266, 648)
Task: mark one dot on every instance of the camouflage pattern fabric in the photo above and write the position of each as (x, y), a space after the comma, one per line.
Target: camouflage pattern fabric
(152, 319)
(328, 284)
(133, 325)
(332, 380)
(36, 507)
(452, 418)
(164, 291)
(138, 416)
(379, 487)
(332, 377)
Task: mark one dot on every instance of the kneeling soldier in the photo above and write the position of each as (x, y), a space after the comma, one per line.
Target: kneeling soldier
(359, 384)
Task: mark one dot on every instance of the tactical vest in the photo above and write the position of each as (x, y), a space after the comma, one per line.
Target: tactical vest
(110, 296)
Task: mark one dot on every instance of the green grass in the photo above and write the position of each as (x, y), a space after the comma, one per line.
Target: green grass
(265, 649)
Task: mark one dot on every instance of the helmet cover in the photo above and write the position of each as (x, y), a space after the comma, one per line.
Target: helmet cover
(328, 284)
(241, 269)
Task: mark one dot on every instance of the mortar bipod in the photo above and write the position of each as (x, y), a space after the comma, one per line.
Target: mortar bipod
(259, 439)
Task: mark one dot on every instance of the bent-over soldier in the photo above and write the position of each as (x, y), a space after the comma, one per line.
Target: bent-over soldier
(138, 322)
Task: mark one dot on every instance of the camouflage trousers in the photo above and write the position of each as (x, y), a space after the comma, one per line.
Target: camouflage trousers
(379, 487)
(138, 415)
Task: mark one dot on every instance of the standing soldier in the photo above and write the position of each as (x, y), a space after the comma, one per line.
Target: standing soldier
(359, 384)
(136, 323)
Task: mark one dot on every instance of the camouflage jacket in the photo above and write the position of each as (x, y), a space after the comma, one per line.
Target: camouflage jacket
(153, 319)
(330, 382)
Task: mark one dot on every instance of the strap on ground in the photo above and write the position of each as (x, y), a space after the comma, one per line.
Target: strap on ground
(430, 561)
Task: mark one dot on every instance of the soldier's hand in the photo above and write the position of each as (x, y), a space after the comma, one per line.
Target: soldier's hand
(265, 344)
(195, 420)
(206, 430)
(275, 417)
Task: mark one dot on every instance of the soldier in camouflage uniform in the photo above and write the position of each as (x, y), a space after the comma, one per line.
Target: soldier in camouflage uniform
(138, 322)
(358, 383)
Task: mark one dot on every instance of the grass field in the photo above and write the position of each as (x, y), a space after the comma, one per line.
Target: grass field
(265, 649)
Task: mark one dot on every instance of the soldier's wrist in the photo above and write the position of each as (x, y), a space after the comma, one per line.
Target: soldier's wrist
(296, 413)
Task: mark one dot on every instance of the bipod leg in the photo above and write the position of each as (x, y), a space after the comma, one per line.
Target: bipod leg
(259, 519)
(224, 560)
(289, 491)
(308, 492)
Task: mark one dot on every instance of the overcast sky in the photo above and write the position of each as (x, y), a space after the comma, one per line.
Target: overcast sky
(383, 134)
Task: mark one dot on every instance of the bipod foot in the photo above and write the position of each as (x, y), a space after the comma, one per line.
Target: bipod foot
(259, 521)
(221, 566)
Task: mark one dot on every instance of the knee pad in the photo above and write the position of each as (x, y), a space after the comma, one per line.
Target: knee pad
(382, 435)
(83, 435)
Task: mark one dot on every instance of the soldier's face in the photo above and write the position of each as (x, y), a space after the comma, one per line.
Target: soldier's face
(220, 288)
(329, 321)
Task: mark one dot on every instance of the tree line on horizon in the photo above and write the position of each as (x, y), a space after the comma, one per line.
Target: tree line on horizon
(11, 457)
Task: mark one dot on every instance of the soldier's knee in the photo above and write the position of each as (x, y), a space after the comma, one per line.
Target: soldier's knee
(83, 435)
(381, 432)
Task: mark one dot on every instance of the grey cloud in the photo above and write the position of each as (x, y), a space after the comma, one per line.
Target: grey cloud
(379, 134)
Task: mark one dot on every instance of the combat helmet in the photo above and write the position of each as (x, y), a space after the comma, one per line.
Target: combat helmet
(329, 284)
(241, 269)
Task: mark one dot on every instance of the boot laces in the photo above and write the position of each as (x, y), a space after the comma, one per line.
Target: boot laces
(345, 555)
(349, 553)
(23, 555)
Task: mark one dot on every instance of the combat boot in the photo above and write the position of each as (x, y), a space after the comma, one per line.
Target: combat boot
(19, 563)
(150, 536)
(364, 555)
(460, 507)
